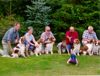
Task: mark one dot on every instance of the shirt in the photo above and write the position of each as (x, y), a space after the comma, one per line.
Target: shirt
(11, 35)
(87, 35)
(29, 38)
(45, 35)
(73, 35)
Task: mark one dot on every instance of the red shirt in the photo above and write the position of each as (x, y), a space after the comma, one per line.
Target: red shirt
(73, 35)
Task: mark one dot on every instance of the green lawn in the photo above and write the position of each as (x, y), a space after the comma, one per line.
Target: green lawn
(49, 65)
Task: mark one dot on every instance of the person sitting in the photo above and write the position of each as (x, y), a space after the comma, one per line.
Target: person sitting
(47, 38)
(30, 40)
(88, 35)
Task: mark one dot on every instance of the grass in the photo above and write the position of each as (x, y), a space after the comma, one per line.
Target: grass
(49, 65)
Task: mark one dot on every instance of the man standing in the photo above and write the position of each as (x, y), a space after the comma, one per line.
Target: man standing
(71, 35)
(10, 37)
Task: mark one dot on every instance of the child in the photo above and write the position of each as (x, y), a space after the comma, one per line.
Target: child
(72, 59)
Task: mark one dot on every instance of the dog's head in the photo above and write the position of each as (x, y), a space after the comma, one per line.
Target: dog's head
(51, 39)
(40, 41)
(84, 48)
(21, 40)
(96, 42)
(90, 41)
(76, 41)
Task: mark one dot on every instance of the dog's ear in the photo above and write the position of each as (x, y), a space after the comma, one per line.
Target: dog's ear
(40, 41)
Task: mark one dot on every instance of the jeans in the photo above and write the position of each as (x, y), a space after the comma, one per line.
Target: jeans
(69, 47)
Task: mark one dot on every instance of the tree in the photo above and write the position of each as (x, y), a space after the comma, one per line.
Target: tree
(77, 13)
(38, 15)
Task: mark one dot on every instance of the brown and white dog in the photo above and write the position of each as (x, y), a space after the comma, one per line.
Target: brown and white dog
(96, 47)
(83, 50)
(38, 50)
(19, 50)
(90, 47)
(49, 45)
(76, 46)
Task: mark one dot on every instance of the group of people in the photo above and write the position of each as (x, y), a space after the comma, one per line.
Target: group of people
(70, 43)
(11, 37)
(89, 45)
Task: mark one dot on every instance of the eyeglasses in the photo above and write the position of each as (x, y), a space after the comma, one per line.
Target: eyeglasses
(48, 30)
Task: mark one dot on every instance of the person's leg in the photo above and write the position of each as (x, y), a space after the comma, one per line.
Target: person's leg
(5, 48)
(26, 51)
(68, 47)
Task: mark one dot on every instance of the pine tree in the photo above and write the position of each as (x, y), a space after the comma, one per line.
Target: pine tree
(38, 15)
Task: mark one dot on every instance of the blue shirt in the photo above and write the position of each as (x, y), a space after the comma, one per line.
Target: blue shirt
(87, 35)
(11, 35)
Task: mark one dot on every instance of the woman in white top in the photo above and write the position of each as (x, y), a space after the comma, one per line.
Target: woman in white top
(29, 38)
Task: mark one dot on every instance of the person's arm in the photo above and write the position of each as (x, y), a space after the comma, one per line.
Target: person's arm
(54, 39)
(42, 37)
(67, 36)
(9, 45)
(17, 38)
(95, 36)
(36, 44)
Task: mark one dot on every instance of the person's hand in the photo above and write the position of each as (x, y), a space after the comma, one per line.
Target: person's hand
(16, 41)
(37, 45)
(69, 38)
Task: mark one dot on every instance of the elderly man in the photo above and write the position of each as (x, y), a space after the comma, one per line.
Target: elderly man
(10, 37)
(89, 35)
(45, 36)
(71, 35)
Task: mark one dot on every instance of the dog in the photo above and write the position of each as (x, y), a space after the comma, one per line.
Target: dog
(38, 50)
(90, 47)
(83, 50)
(61, 47)
(96, 47)
(15, 54)
(76, 46)
(49, 45)
(19, 49)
